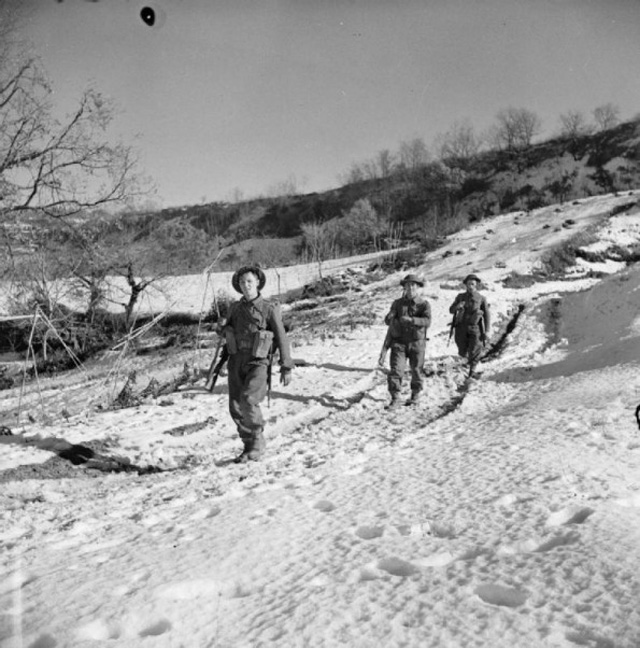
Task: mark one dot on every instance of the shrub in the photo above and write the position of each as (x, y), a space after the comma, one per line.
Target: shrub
(400, 261)
(475, 184)
(516, 280)
(563, 256)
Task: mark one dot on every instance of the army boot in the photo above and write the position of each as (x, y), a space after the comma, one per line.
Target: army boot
(415, 397)
(473, 371)
(248, 447)
(258, 447)
(395, 402)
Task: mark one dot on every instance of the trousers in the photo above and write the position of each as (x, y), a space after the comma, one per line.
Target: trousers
(247, 381)
(469, 343)
(401, 352)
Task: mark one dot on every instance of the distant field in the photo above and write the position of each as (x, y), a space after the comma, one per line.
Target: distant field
(194, 293)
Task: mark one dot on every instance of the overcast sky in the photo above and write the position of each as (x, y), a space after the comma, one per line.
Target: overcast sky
(244, 94)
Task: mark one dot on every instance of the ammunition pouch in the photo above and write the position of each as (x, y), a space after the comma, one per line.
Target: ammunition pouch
(262, 341)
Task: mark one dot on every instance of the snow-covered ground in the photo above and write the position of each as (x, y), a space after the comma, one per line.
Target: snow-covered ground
(500, 512)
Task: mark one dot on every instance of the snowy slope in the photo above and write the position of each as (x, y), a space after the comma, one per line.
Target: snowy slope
(500, 512)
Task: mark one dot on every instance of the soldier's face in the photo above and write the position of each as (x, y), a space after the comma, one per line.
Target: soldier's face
(249, 285)
(472, 285)
(411, 290)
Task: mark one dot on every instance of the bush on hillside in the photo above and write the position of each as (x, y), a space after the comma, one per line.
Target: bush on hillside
(556, 261)
(325, 287)
(515, 280)
(399, 261)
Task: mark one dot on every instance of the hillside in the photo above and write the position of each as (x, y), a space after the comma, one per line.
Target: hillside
(410, 205)
(499, 512)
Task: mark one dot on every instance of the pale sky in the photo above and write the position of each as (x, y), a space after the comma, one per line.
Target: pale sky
(244, 94)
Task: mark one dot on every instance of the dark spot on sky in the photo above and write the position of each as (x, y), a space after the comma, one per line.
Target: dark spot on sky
(148, 16)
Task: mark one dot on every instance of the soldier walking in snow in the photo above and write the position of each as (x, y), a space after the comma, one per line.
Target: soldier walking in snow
(471, 321)
(252, 328)
(408, 320)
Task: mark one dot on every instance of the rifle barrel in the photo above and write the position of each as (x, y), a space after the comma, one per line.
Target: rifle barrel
(219, 358)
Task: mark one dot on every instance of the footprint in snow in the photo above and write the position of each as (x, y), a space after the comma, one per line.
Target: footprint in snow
(569, 515)
(428, 528)
(403, 568)
(510, 499)
(325, 506)
(558, 541)
(189, 589)
(101, 630)
(201, 588)
(538, 545)
(156, 629)
(97, 630)
(436, 560)
(369, 532)
(501, 595)
(42, 641)
(205, 513)
(391, 565)
(397, 567)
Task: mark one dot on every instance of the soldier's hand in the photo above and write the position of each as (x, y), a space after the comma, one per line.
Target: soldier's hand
(382, 359)
(285, 377)
(220, 324)
(405, 319)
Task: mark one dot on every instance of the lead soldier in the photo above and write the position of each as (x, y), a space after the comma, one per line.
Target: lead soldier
(252, 329)
(408, 320)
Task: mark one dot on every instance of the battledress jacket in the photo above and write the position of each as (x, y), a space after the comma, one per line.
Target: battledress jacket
(475, 313)
(246, 318)
(415, 330)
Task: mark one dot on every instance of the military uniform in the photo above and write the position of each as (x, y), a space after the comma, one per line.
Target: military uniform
(408, 320)
(251, 329)
(471, 324)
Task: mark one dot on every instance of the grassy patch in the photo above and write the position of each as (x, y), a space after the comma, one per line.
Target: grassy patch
(563, 256)
(516, 280)
(551, 316)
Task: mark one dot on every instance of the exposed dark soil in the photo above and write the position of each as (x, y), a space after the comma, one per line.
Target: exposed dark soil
(76, 461)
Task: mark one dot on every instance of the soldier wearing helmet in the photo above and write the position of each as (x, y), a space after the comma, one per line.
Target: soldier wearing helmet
(252, 328)
(471, 322)
(408, 320)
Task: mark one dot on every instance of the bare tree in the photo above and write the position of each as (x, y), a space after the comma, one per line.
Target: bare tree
(386, 162)
(459, 144)
(61, 167)
(320, 240)
(286, 188)
(370, 168)
(573, 124)
(359, 226)
(515, 128)
(606, 116)
(354, 174)
(413, 154)
(380, 166)
(236, 196)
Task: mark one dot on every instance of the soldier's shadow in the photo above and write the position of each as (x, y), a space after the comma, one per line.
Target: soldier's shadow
(290, 397)
(325, 400)
(333, 366)
(200, 389)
